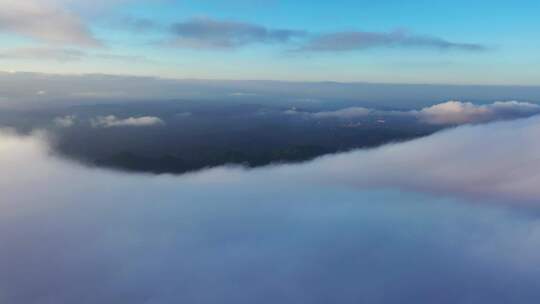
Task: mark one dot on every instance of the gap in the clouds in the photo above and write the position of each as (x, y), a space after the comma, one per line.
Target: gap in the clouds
(133, 164)
(179, 138)
(185, 137)
(129, 162)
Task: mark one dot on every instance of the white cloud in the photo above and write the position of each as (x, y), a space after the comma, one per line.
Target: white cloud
(46, 21)
(66, 121)
(110, 237)
(447, 113)
(456, 112)
(113, 121)
(496, 161)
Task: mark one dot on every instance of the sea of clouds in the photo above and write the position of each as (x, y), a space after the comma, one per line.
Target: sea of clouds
(450, 218)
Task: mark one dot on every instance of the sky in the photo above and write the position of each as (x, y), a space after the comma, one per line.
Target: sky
(451, 217)
(444, 42)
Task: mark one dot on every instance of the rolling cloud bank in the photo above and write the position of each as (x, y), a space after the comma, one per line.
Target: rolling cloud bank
(309, 233)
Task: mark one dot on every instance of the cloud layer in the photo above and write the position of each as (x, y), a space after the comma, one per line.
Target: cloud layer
(308, 233)
(495, 162)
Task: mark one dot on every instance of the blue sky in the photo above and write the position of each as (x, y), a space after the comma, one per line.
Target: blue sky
(455, 42)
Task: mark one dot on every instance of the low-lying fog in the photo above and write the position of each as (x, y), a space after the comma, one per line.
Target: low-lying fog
(450, 218)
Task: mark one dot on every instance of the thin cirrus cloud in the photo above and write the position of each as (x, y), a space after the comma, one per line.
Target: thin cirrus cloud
(208, 33)
(112, 121)
(219, 34)
(43, 53)
(358, 40)
(63, 55)
(45, 21)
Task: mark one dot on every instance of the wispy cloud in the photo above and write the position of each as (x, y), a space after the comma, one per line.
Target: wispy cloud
(208, 33)
(358, 40)
(218, 34)
(66, 55)
(112, 121)
(138, 25)
(43, 53)
(65, 121)
(59, 23)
